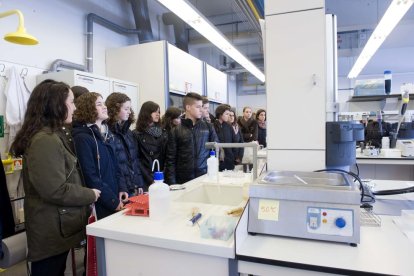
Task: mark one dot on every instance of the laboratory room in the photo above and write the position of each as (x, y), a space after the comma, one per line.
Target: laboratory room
(208, 138)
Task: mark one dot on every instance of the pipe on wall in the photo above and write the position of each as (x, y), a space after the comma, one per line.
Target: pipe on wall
(180, 32)
(142, 20)
(60, 63)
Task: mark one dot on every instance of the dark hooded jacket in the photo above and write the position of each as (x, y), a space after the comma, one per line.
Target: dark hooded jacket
(187, 154)
(96, 155)
(249, 129)
(225, 134)
(129, 172)
(150, 147)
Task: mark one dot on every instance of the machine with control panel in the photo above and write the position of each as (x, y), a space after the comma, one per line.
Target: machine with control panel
(309, 205)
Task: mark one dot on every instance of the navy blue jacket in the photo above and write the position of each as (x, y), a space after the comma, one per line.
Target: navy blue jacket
(187, 154)
(96, 156)
(128, 173)
(226, 134)
(261, 136)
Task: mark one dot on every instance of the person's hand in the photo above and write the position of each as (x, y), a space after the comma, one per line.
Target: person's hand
(97, 194)
(123, 196)
(120, 206)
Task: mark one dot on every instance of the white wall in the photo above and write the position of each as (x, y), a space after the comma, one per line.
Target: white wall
(254, 101)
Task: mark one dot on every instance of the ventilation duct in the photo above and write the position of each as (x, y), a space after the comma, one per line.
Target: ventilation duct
(142, 20)
(180, 32)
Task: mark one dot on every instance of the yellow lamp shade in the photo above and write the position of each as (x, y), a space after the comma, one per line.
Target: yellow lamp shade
(22, 38)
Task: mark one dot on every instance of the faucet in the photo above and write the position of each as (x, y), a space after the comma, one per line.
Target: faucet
(217, 146)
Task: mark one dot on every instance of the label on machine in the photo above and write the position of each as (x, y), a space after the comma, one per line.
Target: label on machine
(268, 209)
(330, 221)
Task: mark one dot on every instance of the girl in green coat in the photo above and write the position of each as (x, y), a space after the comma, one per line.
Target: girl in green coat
(56, 201)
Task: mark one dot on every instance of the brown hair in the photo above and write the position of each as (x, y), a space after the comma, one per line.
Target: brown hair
(246, 107)
(205, 100)
(171, 114)
(46, 108)
(114, 103)
(190, 98)
(221, 109)
(258, 113)
(86, 109)
(79, 91)
(144, 116)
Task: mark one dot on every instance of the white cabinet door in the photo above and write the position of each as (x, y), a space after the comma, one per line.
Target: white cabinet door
(94, 84)
(283, 6)
(185, 71)
(132, 91)
(216, 84)
(295, 80)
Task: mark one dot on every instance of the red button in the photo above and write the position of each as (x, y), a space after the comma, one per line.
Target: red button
(324, 213)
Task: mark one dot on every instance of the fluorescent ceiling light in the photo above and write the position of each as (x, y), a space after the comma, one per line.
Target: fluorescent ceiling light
(192, 17)
(392, 16)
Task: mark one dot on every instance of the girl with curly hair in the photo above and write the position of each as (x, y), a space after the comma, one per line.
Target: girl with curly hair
(95, 149)
(151, 139)
(121, 116)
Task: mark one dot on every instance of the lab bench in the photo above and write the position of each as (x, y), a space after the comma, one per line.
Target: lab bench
(379, 167)
(129, 245)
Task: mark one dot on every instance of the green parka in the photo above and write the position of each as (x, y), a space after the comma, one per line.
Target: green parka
(56, 201)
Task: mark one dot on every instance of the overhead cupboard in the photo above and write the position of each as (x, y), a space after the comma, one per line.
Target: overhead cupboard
(95, 83)
(165, 73)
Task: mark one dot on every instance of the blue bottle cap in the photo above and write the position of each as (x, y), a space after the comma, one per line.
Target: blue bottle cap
(387, 72)
(158, 176)
(212, 153)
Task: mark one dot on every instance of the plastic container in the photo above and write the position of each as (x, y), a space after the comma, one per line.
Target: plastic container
(218, 227)
(212, 166)
(385, 142)
(387, 80)
(159, 198)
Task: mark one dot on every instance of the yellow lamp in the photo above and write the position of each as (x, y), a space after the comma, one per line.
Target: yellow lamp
(20, 36)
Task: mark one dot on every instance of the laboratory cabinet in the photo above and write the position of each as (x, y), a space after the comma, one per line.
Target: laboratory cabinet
(276, 7)
(95, 83)
(296, 85)
(160, 69)
(216, 85)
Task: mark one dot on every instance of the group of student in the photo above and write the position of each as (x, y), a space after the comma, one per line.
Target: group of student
(82, 151)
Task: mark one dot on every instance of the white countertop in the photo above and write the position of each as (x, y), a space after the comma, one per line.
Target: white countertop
(384, 160)
(172, 233)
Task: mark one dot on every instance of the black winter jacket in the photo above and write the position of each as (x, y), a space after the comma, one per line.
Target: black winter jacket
(149, 149)
(225, 134)
(96, 156)
(239, 152)
(249, 129)
(261, 137)
(187, 154)
(129, 172)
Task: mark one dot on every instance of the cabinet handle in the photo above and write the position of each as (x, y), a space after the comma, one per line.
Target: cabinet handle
(86, 79)
(314, 79)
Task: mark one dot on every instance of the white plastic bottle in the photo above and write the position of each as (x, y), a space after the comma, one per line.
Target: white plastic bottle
(212, 166)
(159, 198)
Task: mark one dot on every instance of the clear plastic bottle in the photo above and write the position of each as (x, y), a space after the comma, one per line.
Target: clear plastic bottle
(159, 198)
(212, 166)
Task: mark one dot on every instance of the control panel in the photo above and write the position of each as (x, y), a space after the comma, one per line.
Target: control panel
(330, 221)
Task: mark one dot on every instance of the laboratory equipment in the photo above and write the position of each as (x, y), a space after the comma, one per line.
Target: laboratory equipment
(340, 143)
(138, 206)
(406, 147)
(309, 205)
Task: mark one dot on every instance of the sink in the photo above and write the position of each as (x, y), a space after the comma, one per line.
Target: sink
(214, 194)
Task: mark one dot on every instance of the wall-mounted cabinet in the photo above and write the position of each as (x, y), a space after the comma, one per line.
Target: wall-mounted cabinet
(216, 82)
(159, 68)
(185, 72)
(94, 83)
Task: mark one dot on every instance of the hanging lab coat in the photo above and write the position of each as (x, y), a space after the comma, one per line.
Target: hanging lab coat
(17, 95)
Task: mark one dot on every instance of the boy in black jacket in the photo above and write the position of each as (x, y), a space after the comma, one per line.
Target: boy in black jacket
(187, 154)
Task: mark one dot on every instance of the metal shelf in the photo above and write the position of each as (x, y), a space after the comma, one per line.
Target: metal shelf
(377, 98)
